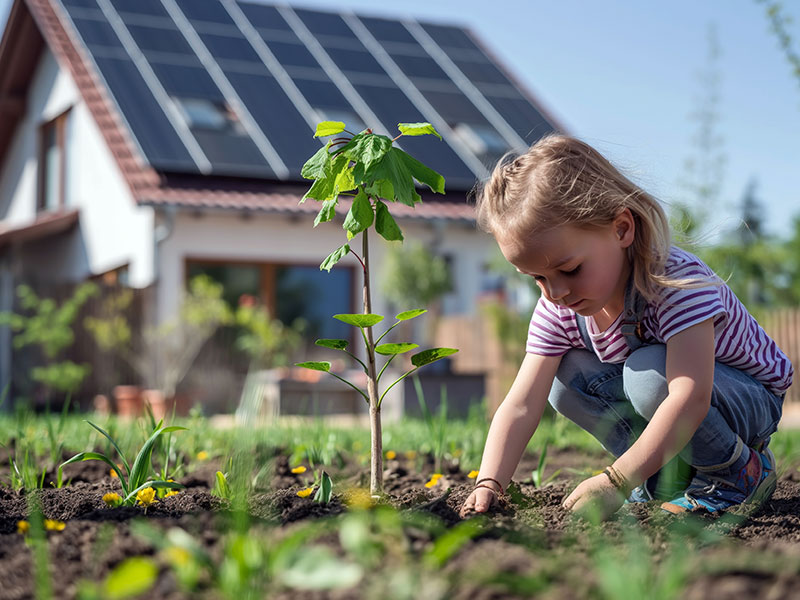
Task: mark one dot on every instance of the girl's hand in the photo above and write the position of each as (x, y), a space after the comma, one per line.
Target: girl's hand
(479, 501)
(596, 493)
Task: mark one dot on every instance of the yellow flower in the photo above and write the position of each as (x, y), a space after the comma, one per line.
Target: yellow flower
(146, 497)
(112, 499)
(171, 493)
(434, 480)
(305, 493)
(391, 454)
(23, 527)
(298, 470)
(411, 454)
(113, 474)
(202, 455)
(53, 525)
(177, 556)
(472, 474)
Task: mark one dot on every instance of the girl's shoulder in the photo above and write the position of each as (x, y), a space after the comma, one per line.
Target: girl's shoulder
(682, 265)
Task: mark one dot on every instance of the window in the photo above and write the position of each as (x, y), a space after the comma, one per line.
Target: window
(52, 164)
(289, 291)
(201, 113)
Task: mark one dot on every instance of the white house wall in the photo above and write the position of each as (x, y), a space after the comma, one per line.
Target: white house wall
(113, 230)
(277, 238)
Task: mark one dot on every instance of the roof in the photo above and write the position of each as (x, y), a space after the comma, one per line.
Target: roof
(223, 96)
(44, 225)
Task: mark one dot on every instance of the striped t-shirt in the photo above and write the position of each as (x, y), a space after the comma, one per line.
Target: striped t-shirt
(739, 339)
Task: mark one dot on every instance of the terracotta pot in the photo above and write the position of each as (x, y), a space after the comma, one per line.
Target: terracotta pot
(128, 399)
(157, 401)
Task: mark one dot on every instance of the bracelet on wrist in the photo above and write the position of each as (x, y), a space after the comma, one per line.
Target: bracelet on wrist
(618, 480)
(482, 479)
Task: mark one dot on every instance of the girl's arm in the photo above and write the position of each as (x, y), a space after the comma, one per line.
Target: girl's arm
(513, 425)
(690, 377)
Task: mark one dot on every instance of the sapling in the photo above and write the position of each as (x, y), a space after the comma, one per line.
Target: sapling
(371, 171)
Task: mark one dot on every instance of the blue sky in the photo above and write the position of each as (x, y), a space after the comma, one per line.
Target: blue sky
(623, 75)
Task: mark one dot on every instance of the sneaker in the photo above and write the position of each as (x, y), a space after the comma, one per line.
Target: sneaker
(754, 484)
(670, 480)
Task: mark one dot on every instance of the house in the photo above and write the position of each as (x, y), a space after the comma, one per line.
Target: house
(152, 140)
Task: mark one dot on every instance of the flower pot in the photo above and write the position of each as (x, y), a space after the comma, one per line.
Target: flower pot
(157, 402)
(128, 399)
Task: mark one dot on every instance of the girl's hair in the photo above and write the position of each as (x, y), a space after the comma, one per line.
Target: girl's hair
(561, 180)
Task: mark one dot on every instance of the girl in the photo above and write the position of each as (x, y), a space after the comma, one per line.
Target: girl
(635, 340)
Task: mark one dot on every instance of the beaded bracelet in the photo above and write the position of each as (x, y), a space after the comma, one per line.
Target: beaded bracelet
(480, 481)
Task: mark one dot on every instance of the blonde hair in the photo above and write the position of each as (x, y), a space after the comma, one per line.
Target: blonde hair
(561, 180)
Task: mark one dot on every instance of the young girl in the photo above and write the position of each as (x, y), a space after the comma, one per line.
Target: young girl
(635, 340)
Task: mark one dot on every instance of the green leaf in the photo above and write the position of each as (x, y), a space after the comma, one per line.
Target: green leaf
(96, 456)
(327, 128)
(426, 357)
(446, 545)
(359, 319)
(222, 489)
(360, 215)
(132, 577)
(332, 180)
(399, 348)
(392, 167)
(141, 465)
(324, 490)
(418, 129)
(315, 166)
(315, 366)
(327, 212)
(366, 150)
(332, 344)
(422, 173)
(380, 189)
(410, 314)
(385, 224)
(334, 257)
(113, 443)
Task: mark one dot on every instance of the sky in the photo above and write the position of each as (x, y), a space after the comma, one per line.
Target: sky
(625, 76)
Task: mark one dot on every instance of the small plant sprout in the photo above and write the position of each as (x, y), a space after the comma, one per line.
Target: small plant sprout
(372, 172)
(537, 476)
(133, 478)
(221, 487)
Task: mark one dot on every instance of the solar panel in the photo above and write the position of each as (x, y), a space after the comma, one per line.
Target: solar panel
(234, 89)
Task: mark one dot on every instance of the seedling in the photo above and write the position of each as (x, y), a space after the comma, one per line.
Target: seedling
(136, 478)
(369, 169)
(537, 476)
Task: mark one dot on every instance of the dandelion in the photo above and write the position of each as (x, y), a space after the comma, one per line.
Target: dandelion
(171, 493)
(305, 493)
(391, 455)
(112, 499)
(202, 455)
(146, 497)
(53, 525)
(472, 474)
(298, 470)
(23, 527)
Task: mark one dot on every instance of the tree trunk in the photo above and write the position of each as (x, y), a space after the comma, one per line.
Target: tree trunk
(376, 454)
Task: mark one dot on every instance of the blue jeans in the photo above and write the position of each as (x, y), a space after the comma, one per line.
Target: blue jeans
(614, 402)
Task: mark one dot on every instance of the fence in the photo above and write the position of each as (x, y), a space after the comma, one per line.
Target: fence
(783, 326)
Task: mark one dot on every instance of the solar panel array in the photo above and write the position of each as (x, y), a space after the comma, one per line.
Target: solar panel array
(236, 88)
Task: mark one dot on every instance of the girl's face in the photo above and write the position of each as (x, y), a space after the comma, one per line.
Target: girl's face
(584, 269)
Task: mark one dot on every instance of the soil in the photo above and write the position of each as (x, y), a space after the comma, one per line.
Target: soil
(526, 545)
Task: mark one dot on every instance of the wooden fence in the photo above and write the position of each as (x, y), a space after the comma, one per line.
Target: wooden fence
(783, 326)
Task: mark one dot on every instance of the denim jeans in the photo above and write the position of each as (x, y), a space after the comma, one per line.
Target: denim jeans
(614, 402)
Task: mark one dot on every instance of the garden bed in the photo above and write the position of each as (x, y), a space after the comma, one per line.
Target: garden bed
(415, 545)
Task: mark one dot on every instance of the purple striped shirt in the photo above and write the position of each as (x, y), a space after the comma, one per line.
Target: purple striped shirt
(739, 340)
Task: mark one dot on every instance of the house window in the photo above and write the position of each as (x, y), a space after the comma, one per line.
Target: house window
(52, 164)
(201, 113)
(289, 291)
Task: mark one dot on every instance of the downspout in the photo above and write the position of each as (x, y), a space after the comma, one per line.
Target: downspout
(164, 219)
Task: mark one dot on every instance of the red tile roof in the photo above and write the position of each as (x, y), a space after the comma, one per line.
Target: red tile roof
(196, 192)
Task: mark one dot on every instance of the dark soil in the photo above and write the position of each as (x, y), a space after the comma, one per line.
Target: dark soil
(534, 545)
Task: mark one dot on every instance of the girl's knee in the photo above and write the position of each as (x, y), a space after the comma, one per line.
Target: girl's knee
(644, 379)
(571, 373)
